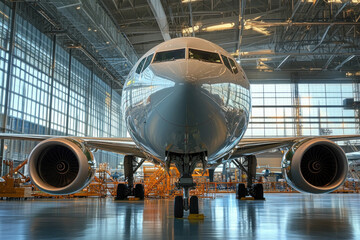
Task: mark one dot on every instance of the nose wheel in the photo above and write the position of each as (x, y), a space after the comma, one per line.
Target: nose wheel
(194, 205)
(179, 204)
(186, 165)
(179, 207)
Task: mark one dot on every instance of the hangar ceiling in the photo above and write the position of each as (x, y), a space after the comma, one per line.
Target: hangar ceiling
(269, 35)
(264, 35)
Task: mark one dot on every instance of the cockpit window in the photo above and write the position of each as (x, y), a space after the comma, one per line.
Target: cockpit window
(147, 62)
(204, 56)
(141, 64)
(233, 66)
(226, 62)
(169, 55)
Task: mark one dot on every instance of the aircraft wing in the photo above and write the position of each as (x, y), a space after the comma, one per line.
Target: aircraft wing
(250, 146)
(124, 146)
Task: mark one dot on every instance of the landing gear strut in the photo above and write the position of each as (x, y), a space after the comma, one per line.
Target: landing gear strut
(254, 190)
(185, 163)
(125, 190)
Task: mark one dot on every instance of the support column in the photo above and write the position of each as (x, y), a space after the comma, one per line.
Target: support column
(68, 96)
(8, 81)
(296, 99)
(52, 84)
(111, 97)
(88, 108)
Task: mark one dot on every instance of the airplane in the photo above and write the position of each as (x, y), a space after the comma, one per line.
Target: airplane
(186, 102)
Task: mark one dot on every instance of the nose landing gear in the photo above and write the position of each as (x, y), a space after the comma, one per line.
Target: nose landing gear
(186, 163)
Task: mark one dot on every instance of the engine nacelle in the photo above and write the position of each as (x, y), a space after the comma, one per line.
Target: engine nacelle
(61, 166)
(315, 165)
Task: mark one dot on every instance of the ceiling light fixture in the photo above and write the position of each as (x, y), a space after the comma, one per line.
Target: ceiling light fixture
(188, 1)
(219, 27)
(189, 30)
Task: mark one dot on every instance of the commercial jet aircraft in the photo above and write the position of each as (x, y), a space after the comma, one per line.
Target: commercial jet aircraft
(186, 102)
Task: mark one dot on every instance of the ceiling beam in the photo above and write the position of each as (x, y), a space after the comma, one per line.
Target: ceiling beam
(282, 62)
(296, 7)
(191, 19)
(331, 58)
(323, 37)
(343, 62)
(159, 13)
(242, 6)
(340, 9)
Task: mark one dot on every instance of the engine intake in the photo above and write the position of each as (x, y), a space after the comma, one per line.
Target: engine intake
(61, 166)
(315, 165)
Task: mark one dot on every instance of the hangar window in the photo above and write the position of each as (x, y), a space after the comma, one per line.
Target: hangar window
(169, 55)
(141, 64)
(233, 66)
(204, 56)
(226, 62)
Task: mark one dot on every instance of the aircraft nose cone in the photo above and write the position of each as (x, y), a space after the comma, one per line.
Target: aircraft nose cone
(182, 96)
(186, 119)
(184, 105)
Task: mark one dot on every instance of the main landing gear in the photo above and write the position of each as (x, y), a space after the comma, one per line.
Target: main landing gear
(254, 190)
(185, 165)
(125, 190)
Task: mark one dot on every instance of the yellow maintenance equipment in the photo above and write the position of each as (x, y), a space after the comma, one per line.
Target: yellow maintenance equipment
(13, 187)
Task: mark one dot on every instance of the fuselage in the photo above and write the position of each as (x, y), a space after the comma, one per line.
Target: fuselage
(186, 95)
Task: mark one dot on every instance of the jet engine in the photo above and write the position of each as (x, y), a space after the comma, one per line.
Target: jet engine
(61, 166)
(315, 165)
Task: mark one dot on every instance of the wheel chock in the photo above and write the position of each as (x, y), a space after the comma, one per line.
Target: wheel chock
(196, 217)
(247, 198)
(132, 198)
(251, 198)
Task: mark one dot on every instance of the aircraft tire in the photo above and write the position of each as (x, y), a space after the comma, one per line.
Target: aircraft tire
(121, 192)
(194, 205)
(258, 191)
(179, 207)
(139, 191)
(240, 191)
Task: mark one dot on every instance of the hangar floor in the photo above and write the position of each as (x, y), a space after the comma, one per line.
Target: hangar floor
(281, 216)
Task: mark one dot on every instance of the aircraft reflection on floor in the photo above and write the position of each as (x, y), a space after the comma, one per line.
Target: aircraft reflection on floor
(281, 216)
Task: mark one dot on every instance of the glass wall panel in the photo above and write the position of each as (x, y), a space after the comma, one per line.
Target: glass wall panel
(79, 92)
(28, 102)
(60, 92)
(31, 88)
(318, 110)
(100, 109)
(4, 35)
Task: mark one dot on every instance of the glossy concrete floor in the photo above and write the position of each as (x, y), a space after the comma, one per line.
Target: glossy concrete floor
(281, 216)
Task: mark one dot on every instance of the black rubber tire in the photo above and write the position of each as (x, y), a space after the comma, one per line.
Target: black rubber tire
(128, 169)
(194, 205)
(179, 207)
(258, 191)
(121, 192)
(139, 191)
(240, 191)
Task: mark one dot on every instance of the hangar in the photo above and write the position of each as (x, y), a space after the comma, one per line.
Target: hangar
(149, 79)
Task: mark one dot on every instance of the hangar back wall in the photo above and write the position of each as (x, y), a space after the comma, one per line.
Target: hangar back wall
(69, 99)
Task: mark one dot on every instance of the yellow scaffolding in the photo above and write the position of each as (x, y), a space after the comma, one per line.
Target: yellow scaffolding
(14, 187)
